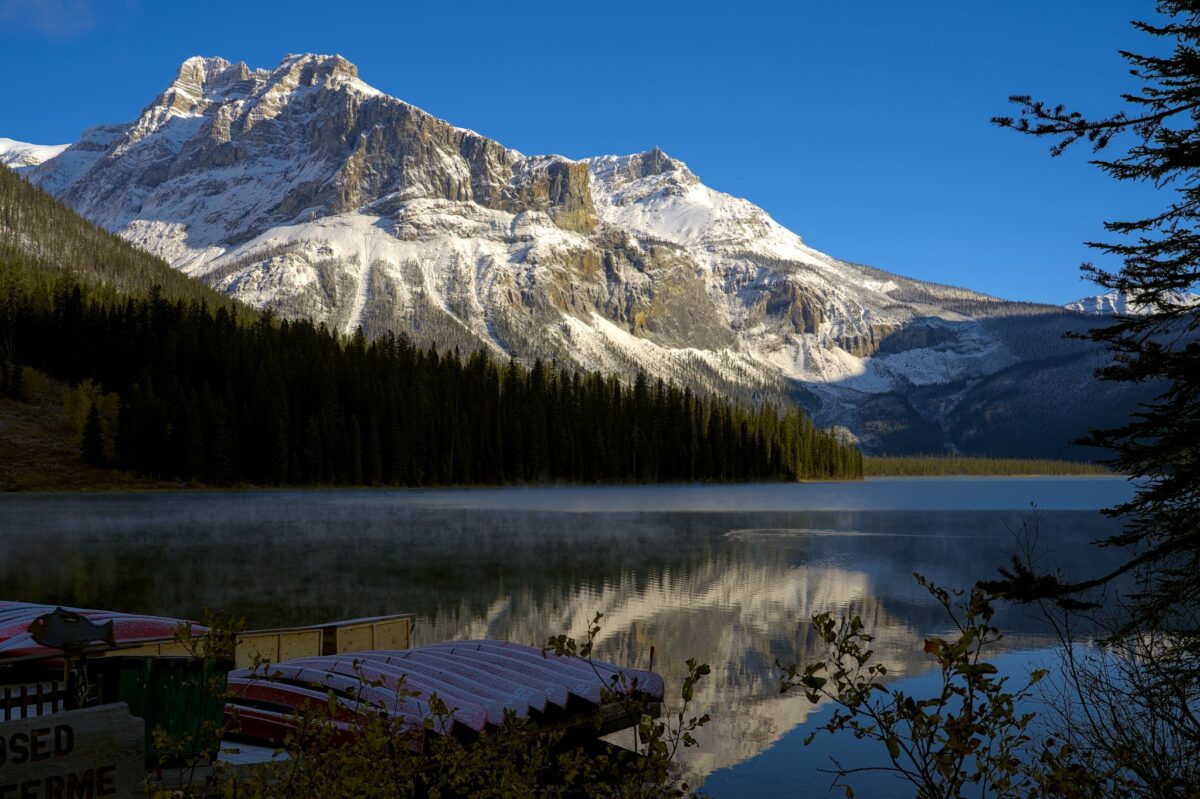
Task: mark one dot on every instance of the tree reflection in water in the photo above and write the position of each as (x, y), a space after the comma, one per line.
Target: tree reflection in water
(734, 588)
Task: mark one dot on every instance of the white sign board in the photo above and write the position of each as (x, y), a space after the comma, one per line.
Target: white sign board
(77, 754)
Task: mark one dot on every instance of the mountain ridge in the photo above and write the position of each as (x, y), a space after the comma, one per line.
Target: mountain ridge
(15, 154)
(1117, 303)
(305, 190)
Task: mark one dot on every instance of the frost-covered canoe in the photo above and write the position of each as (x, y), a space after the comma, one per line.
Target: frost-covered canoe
(128, 628)
(479, 681)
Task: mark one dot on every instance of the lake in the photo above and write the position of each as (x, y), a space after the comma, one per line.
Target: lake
(730, 575)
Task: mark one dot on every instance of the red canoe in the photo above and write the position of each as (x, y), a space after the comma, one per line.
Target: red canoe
(128, 628)
(479, 681)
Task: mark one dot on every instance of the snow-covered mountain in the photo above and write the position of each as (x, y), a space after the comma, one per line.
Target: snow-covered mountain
(16, 154)
(1116, 303)
(303, 189)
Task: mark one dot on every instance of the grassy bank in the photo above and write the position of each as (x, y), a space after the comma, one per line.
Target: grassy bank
(951, 465)
(40, 441)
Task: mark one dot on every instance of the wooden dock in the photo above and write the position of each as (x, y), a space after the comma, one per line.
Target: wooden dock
(368, 664)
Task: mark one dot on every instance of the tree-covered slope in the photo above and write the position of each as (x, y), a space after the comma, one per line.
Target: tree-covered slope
(39, 233)
(185, 386)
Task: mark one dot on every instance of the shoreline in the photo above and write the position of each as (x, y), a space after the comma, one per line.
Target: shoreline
(129, 486)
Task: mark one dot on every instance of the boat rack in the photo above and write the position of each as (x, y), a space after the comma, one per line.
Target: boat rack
(287, 643)
(101, 683)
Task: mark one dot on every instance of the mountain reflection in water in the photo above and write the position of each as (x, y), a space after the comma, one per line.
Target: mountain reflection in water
(730, 585)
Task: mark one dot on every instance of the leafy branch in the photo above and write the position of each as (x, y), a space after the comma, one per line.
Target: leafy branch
(969, 735)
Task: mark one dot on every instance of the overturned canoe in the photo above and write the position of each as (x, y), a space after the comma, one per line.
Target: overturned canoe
(16, 640)
(478, 681)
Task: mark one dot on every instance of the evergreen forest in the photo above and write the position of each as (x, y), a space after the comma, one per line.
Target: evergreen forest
(202, 390)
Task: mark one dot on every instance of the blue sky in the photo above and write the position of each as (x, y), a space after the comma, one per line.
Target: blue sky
(861, 126)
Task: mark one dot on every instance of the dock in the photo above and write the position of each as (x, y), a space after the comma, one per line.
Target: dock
(123, 675)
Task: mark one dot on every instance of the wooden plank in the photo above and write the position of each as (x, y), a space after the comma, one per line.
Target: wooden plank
(96, 751)
(176, 649)
(365, 620)
(277, 646)
(604, 720)
(330, 624)
(299, 644)
(158, 647)
(392, 633)
(141, 650)
(355, 638)
(262, 645)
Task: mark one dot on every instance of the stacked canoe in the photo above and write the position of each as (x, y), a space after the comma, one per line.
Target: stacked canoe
(479, 682)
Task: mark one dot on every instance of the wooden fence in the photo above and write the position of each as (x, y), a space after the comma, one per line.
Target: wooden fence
(32, 700)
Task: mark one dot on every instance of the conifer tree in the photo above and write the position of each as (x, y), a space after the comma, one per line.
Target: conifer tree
(1139, 733)
(93, 438)
(1156, 140)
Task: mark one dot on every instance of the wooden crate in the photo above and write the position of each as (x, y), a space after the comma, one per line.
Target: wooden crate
(363, 635)
(332, 638)
(277, 645)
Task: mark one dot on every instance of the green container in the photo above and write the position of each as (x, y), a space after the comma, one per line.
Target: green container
(184, 697)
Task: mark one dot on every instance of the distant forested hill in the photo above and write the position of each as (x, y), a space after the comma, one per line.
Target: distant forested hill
(180, 383)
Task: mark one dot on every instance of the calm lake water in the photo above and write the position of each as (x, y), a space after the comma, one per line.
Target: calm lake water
(730, 575)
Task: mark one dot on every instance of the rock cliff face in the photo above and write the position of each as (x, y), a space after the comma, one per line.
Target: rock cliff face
(226, 153)
(303, 189)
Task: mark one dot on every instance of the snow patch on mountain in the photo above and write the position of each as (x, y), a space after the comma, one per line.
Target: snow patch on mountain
(1116, 303)
(658, 197)
(17, 154)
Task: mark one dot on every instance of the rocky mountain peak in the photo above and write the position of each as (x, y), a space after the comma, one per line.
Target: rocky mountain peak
(198, 70)
(226, 152)
(201, 80)
(303, 189)
(310, 68)
(654, 162)
(618, 169)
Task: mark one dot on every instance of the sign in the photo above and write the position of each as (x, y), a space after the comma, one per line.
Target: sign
(77, 754)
